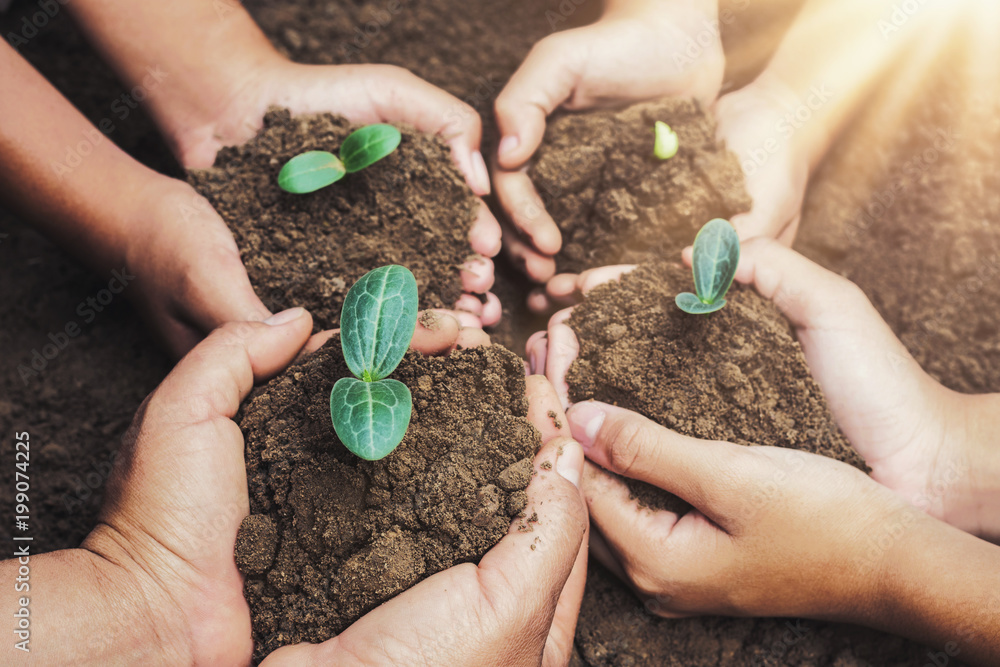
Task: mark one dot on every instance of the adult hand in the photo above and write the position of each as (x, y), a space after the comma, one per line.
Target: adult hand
(178, 494)
(362, 94)
(639, 49)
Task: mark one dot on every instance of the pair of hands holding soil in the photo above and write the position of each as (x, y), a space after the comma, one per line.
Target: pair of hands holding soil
(776, 532)
(161, 557)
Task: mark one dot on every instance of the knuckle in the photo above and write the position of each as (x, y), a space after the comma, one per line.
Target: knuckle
(627, 440)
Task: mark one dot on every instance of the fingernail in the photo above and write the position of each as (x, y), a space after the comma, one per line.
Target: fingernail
(508, 145)
(285, 316)
(585, 421)
(568, 465)
(480, 173)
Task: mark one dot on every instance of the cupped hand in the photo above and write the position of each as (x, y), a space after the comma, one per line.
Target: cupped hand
(636, 51)
(910, 429)
(178, 494)
(517, 607)
(773, 532)
(759, 126)
(362, 94)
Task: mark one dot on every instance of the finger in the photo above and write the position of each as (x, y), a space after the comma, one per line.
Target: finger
(539, 302)
(467, 320)
(787, 235)
(806, 293)
(705, 473)
(471, 337)
(436, 333)
(538, 267)
(316, 341)
(535, 349)
(477, 275)
(532, 564)
(544, 410)
(526, 210)
(469, 304)
(563, 349)
(217, 374)
(492, 310)
(592, 278)
(485, 235)
(545, 79)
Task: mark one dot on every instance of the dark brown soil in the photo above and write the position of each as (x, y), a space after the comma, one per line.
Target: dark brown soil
(331, 536)
(412, 208)
(615, 202)
(735, 375)
(85, 399)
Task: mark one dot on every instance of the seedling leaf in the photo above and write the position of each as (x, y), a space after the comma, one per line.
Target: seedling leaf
(716, 254)
(690, 303)
(667, 143)
(378, 321)
(310, 171)
(370, 418)
(368, 145)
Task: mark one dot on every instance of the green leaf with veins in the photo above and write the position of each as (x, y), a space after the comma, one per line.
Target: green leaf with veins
(378, 321)
(370, 418)
(716, 254)
(310, 171)
(368, 145)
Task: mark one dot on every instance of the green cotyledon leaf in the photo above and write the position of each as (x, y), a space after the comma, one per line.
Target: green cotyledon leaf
(716, 255)
(368, 145)
(378, 320)
(310, 171)
(370, 418)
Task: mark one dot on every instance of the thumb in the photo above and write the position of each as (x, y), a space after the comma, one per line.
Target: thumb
(213, 378)
(546, 79)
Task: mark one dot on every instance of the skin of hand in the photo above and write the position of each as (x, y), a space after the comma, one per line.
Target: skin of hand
(156, 581)
(777, 532)
(933, 447)
(600, 65)
(219, 75)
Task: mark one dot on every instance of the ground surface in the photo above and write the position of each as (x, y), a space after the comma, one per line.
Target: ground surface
(927, 258)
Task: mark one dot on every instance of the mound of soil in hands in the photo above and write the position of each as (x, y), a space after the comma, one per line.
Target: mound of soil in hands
(330, 536)
(736, 375)
(615, 202)
(412, 208)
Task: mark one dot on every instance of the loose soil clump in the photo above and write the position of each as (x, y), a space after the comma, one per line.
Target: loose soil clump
(615, 202)
(331, 536)
(412, 208)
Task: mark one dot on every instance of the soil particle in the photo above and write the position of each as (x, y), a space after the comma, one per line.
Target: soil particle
(618, 204)
(412, 208)
(735, 375)
(331, 536)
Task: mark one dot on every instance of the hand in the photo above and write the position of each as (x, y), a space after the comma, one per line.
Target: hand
(178, 495)
(638, 50)
(758, 125)
(468, 615)
(774, 532)
(922, 440)
(362, 94)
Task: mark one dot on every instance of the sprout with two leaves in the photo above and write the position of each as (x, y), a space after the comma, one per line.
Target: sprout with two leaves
(370, 411)
(716, 254)
(313, 170)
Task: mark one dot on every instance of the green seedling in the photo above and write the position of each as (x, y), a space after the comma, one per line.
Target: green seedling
(667, 143)
(313, 170)
(370, 412)
(716, 254)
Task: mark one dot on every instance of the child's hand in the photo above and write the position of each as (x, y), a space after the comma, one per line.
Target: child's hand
(638, 50)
